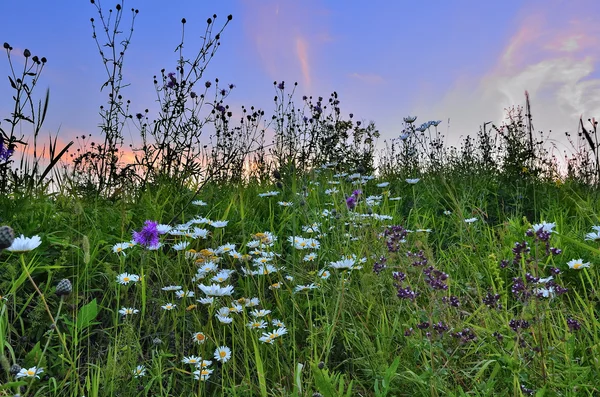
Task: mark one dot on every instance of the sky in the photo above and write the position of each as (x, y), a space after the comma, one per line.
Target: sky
(460, 61)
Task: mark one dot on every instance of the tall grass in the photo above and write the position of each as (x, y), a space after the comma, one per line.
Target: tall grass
(419, 270)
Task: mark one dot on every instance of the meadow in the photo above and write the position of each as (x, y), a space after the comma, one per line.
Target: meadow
(311, 265)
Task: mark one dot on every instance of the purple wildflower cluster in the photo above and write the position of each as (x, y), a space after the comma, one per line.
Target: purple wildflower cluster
(543, 235)
(148, 236)
(419, 258)
(394, 236)
(403, 292)
(523, 289)
(465, 336)
(380, 265)
(573, 324)
(451, 300)
(515, 325)
(435, 278)
(492, 301)
(519, 250)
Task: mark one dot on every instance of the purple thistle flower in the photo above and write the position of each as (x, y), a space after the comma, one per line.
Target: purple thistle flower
(351, 202)
(5, 152)
(148, 236)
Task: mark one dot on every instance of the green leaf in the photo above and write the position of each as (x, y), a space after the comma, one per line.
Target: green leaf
(87, 314)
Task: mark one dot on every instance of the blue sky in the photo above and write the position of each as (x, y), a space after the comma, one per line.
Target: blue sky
(460, 60)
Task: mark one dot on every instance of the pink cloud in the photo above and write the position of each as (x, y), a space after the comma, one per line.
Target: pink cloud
(286, 37)
(550, 55)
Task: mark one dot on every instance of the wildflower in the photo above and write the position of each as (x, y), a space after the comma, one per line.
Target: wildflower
(216, 290)
(198, 202)
(577, 264)
(222, 354)
(263, 270)
(193, 360)
(546, 227)
(24, 244)
(260, 313)
(275, 286)
(148, 236)
(32, 372)
(139, 371)
(63, 288)
(224, 319)
(184, 294)
(163, 229)
(171, 288)
(202, 374)
(277, 323)
(204, 364)
(383, 184)
(470, 220)
(5, 152)
(127, 311)
(447, 212)
(169, 306)
(595, 235)
(573, 324)
(300, 288)
(223, 311)
(344, 264)
(181, 246)
(257, 324)
(126, 278)
(410, 119)
(412, 181)
(222, 276)
(324, 274)
(284, 203)
(199, 338)
(206, 301)
(268, 194)
(351, 202)
(199, 233)
(310, 257)
(218, 224)
(7, 235)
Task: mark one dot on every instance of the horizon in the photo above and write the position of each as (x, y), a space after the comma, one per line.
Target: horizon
(383, 66)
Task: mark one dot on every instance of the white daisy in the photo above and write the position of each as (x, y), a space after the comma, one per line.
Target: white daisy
(24, 244)
(222, 354)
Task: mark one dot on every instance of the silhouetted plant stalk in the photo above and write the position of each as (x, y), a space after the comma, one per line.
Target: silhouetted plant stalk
(317, 134)
(28, 175)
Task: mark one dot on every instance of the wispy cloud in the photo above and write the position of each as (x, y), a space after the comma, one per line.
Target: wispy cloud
(550, 59)
(370, 78)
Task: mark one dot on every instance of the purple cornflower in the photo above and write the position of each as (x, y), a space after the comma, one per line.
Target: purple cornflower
(351, 202)
(281, 85)
(5, 152)
(148, 236)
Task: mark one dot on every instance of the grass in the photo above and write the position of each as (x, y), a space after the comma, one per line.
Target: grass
(478, 323)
